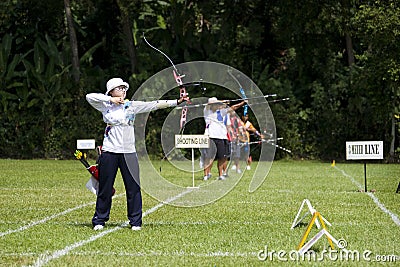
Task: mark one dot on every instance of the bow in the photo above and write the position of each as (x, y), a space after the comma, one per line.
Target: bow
(182, 94)
(178, 78)
(246, 106)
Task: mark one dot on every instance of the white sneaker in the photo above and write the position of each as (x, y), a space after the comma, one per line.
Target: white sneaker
(206, 177)
(248, 167)
(221, 177)
(234, 167)
(136, 228)
(98, 227)
(239, 171)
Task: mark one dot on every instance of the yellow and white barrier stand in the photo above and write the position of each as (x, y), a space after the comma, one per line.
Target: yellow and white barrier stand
(311, 211)
(302, 248)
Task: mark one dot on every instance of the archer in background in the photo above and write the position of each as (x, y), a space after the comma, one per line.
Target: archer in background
(237, 136)
(216, 127)
(250, 129)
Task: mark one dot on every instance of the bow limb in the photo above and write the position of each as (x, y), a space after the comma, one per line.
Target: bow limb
(246, 106)
(182, 94)
(161, 52)
(178, 78)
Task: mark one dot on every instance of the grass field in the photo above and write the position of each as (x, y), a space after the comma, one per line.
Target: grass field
(46, 219)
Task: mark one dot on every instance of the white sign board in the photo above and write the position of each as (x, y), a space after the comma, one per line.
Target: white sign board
(85, 144)
(364, 150)
(192, 141)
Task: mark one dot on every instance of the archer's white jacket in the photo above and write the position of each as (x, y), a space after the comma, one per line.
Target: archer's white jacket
(216, 123)
(119, 135)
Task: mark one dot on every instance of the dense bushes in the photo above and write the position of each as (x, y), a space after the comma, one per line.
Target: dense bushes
(336, 61)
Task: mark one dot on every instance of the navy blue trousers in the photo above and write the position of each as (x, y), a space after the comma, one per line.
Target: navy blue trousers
(108, 168)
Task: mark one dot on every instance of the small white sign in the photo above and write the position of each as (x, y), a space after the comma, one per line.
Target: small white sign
(85, 144)
(192, 141)
(364, 150)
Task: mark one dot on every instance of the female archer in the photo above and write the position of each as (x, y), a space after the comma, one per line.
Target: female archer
(118, 149)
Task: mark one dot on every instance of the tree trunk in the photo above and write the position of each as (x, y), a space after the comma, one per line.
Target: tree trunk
(349, 48)
(127, 28)
(73, 41)
(128, 35)
(393, 141)
(347, 15)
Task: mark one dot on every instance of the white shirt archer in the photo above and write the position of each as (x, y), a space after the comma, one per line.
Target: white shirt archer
(119, 135)
(216, 123)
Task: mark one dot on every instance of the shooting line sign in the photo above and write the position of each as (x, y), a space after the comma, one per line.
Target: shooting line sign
(360, 150)
(191, 141)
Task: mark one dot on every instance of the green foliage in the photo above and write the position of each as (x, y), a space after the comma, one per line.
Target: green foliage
(298, 50)
(39, 104)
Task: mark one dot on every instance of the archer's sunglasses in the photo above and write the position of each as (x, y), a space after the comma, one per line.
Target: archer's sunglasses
(120, 88)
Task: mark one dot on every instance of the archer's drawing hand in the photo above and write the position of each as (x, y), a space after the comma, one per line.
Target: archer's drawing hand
(183, 99)
(117, 100)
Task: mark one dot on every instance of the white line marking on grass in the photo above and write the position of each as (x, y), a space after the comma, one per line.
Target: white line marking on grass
(393, 216)
(45, 219)
(45, 257)
(169, 254)
(23, 228)
(147, 254)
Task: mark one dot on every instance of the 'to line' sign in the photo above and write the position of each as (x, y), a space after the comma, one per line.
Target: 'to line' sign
(191, 141)
(364, 150)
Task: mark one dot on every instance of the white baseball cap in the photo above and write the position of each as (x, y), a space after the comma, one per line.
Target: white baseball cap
(214, 100)
(115, 82)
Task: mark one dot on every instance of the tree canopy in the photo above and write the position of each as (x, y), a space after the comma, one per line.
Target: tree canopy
(337, 61)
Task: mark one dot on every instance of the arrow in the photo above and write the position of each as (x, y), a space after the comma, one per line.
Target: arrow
(233, 100)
